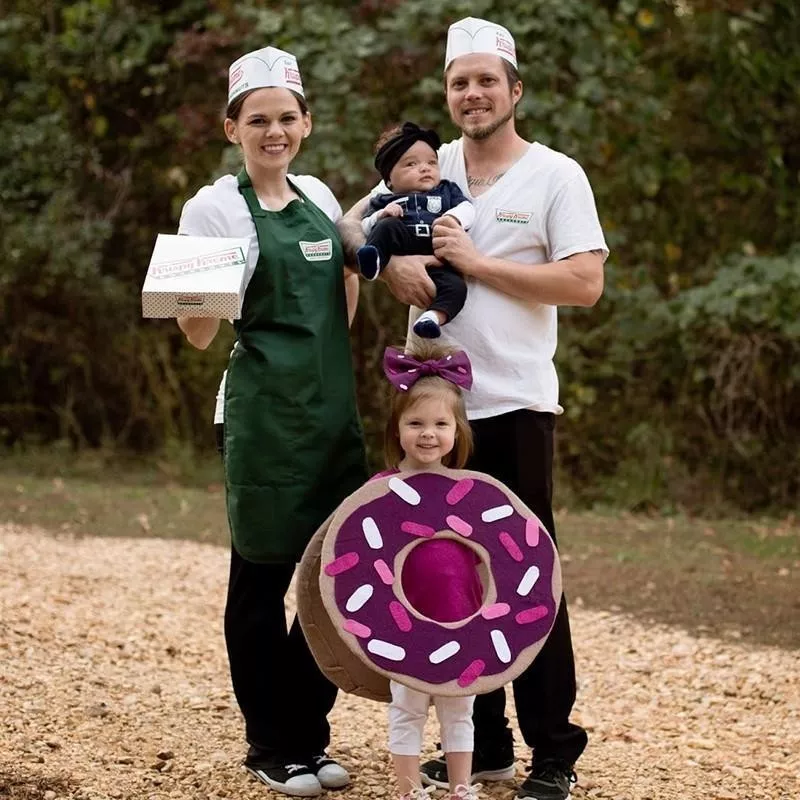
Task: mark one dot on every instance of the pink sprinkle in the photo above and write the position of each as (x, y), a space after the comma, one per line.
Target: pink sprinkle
(342, 564)
(459, 491)
(531, 615)
(511, 546)
(415, 529)
(384, 573)
(459, 525)
(462, 370)
(495, 611)
(471, 673)
(532, 532)
(357, 629)
(400, 616)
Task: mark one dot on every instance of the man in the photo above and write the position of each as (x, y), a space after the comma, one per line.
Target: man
(536, 244)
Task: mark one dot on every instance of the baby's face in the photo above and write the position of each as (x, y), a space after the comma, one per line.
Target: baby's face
(416, 171)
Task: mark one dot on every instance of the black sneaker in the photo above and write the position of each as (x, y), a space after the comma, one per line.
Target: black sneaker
(434, 772)
(549, 780)
(293, 779)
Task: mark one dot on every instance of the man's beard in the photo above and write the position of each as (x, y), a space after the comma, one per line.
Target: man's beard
(487, 130)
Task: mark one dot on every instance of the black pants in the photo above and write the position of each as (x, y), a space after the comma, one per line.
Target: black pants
(392, 237)
(517, 449)
(284, 697)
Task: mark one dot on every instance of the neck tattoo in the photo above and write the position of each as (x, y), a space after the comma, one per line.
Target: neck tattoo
(475, 183)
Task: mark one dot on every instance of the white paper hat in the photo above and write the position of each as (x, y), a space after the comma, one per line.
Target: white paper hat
(471, 35)
(261, 68)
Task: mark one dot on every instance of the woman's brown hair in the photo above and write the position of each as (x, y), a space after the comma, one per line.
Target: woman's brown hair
(425, 388)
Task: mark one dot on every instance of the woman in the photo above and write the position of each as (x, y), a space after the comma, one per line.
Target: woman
(293, 445)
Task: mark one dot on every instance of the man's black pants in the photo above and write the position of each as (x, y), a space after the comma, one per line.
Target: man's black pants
(284, 697)
(392, 237)
(517, 449)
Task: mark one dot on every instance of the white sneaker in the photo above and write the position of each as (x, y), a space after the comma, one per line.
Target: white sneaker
(418, 793)
(462, 792)
(330, 773)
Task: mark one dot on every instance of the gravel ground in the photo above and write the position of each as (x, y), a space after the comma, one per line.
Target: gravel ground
(114, 684)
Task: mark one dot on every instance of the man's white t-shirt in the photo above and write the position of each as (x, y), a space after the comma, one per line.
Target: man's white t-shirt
(541, 210)
(220, 210)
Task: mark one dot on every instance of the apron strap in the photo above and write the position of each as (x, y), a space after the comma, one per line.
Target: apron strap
(249, 194)
(250, 197)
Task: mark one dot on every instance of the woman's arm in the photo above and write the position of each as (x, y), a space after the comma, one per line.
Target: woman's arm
(351, 292)
(199, 331)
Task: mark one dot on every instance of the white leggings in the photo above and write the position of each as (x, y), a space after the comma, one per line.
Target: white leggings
(408, 712)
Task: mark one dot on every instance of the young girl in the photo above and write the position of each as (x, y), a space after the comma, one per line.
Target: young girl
(427, 429)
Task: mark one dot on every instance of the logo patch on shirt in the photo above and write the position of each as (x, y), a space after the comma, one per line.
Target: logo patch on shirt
(515, 217)
(317, 251)
(434, 204)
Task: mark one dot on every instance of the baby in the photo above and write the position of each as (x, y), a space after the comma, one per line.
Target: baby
(400, 223)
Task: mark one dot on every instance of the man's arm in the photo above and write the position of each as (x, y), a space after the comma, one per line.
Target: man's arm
(350, 229)
(573, 281)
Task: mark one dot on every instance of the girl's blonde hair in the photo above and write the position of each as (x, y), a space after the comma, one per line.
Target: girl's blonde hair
(429, 386)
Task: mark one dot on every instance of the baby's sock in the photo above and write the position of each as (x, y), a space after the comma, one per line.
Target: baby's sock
(427, 326)
(369, 261)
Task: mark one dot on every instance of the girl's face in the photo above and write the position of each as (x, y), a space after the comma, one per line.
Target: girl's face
(416, 171)
(270, 128)
(427, 431)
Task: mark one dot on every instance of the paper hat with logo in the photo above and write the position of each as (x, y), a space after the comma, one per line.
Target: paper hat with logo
(264, 68)
(471, 35)
(355, 585)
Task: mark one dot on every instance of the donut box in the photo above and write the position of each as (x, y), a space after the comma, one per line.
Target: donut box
(195, 276)
(359, 554)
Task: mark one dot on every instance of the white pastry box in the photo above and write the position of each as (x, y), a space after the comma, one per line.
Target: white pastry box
(195, 276)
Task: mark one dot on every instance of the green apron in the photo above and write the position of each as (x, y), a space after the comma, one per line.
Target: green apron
(294, 447)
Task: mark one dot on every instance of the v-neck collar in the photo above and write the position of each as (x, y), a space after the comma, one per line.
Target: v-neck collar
(462, 168)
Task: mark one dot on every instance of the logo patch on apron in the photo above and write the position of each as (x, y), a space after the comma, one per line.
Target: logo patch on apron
(434, 204)
(317, 251)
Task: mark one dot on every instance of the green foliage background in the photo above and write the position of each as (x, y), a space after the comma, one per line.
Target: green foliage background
(681, 387)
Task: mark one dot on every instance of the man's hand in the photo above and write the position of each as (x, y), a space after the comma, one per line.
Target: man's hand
(408, 281)
(392, 210)
(452, 244)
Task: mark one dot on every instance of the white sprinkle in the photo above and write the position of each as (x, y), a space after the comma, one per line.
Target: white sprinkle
(371, 533)
(496, 513)
(448, 358)
(444, 652)
(501, 646)
(405, 492)
(386, 649)
(359, 597)
(413, 370)
(528, 581)
(404, 387)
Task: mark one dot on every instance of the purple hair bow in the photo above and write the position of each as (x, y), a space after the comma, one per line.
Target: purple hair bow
(403, 370)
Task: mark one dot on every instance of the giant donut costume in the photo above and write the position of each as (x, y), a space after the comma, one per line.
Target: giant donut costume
(355, 562)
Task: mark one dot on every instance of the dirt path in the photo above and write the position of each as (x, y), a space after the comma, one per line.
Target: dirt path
(113, 684)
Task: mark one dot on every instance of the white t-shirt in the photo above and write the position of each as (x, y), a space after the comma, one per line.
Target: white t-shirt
(220, 210)
(541, 210)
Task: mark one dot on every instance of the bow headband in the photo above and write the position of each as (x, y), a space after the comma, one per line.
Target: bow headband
(392, 151)
(403, 370)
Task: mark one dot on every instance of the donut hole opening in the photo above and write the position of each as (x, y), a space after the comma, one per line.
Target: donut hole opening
(444, 579)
